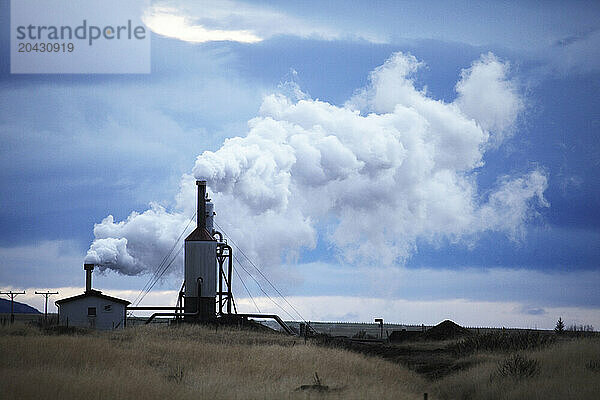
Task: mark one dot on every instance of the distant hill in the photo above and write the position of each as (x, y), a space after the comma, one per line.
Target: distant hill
(20, 308)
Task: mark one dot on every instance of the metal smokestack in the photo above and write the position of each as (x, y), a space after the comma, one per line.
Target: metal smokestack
(201, 213)
(200, 265)
(88, 276)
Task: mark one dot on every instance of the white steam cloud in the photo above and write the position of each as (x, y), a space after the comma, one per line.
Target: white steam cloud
(371, 177)
(139, 243)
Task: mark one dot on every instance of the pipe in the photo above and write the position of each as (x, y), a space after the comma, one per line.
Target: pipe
(196, 314)
(88, 276)
(226, 252)
(265, 316)
(166, 314)
(180, 299)
(201, 213)
(229, 276)
(220, 260)
(286, 328)
(215, 232)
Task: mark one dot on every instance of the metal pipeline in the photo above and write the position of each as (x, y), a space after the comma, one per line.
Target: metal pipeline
(215, 232)
(226, 278)
(286, 328)
(196, 314)
(275, 317)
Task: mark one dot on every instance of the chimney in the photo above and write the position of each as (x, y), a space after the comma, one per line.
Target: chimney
(201, 214)
(88, 276)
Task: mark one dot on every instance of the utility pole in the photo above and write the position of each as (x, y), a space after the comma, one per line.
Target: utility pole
(46, 295)
(12, 296)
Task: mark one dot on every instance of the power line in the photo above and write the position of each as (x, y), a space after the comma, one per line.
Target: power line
(159, 271)
(261, 289)
(263, 275)
(162, 273)
(158, 278)
(162, 263)
(268, 281)
(245, 287)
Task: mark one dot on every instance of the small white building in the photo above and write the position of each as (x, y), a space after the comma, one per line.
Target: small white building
(92, 309)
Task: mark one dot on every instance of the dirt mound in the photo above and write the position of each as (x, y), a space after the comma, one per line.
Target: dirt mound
(446, 330)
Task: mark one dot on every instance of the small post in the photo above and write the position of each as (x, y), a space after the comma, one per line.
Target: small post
(305, 335)
(380, 321)
(424, 396)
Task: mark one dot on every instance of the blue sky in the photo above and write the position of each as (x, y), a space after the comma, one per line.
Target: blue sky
(77, 148)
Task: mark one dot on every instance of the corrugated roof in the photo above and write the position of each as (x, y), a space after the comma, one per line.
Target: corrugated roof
(92, 293)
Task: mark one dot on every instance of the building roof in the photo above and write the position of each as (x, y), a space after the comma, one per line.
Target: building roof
(92, 293)
(200, 235)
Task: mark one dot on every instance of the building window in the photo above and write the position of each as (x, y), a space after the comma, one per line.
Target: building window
(108, 308)
(91, 311)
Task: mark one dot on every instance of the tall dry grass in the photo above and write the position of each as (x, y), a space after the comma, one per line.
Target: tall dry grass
(503, 341)
(566, 371)
(189, 362)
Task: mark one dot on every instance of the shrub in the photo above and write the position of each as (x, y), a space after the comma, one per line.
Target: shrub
(593, 365)
(65, 330)
(580, 328)
(502, 341)
(176, 374)
(42, 322)
(363, 335)
(517, 367)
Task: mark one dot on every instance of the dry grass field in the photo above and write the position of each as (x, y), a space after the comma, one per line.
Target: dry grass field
(189, 362)
(201, 363)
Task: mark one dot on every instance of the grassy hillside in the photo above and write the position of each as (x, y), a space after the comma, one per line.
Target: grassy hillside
(198, 362)
(570, 369)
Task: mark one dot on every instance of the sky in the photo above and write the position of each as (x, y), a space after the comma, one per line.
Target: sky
(410, 161)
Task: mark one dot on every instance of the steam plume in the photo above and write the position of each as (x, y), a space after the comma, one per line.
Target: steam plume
(369, 177)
